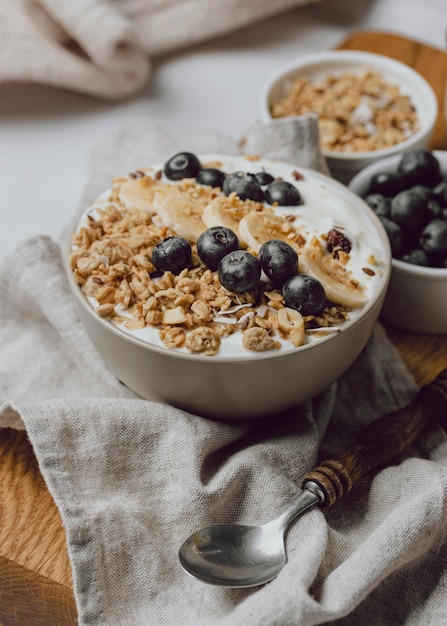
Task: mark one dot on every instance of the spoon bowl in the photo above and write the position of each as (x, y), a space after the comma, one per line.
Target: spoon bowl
(234, 555)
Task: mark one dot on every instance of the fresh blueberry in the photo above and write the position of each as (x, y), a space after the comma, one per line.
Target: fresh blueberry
(210, 176)
(434, 238)
(420, 167)
(386, 183)
(284, 193)
(425, 191)
(395, 235)
(182, 165)
(278, 260)
(214, 243)
(264, 178)
(239, 271)
(305, 294)
(245, 185)
(409, 210)
(440, 193)
(416, 257)
(172, 254)
(434, 211)
(379, 203)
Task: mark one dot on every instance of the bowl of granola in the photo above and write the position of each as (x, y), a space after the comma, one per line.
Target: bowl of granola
(233, 287)
(369, 106)
(409, 195)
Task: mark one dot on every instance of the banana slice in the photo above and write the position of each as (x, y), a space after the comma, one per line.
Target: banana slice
(219, 212)
(139, 193)
(181, 213)
(338, 282)
(258, 227)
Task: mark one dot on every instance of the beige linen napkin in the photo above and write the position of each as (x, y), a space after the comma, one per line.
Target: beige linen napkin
(103, 47)
(133, 478)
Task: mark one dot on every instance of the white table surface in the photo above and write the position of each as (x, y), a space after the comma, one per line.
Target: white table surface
(46, 135)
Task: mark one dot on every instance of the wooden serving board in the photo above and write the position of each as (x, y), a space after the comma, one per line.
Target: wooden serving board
(35, 576)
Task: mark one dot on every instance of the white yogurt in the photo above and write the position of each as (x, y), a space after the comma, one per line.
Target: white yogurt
(326, 205)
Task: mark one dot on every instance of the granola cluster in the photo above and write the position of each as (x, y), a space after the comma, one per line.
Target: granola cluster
(111, 261)
(356, 112)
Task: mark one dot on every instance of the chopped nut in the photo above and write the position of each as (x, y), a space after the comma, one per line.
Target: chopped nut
(174, 316)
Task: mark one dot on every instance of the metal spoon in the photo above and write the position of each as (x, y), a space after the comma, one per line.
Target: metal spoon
(233, 555)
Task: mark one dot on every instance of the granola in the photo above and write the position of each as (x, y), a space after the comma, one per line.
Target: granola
(357, 112)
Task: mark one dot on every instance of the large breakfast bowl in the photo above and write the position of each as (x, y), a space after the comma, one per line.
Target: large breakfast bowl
(369, 106)
(189, 336)
(416, 299)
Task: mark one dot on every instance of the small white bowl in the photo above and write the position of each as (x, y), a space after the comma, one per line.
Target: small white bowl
(343, 165)
(416, 299)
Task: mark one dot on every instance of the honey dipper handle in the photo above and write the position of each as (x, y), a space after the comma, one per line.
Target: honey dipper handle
(381, 442)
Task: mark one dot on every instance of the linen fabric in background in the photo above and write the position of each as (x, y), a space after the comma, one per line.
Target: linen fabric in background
(104, 47)
(133, 478)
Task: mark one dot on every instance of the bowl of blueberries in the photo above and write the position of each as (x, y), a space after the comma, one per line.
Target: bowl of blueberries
(408, 193)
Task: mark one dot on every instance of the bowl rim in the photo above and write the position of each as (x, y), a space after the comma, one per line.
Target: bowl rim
(355, 55)
(333, 336)
(420, 271)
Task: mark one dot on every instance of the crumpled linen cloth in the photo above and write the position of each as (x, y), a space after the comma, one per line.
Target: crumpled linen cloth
(103, 47)
(134, 478)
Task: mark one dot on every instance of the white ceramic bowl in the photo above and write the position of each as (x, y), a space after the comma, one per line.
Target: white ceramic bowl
(343, 166)
(244, 386)
(416, 299)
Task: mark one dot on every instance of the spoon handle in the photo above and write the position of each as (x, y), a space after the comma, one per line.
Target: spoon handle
(381, 442)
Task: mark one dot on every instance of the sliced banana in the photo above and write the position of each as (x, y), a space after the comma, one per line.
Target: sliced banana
(218, 212)
(181, 213)
(338, 282)
(138, 193)
(260, 226)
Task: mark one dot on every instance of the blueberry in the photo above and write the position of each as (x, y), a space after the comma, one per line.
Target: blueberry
(278, 260)
(264, 178)
(284, 193)
(416, 257)
(434, 238)
(423, 190)
(434, 211)
(420, 167)
(182, 165)
(395, 235)
(440, 194)
(245, 185)
(386, 183)
(379, 203)
(239, 271)
(409, 210)
(305, 294)
(214, 243)
(172, 254)
(210, 176)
